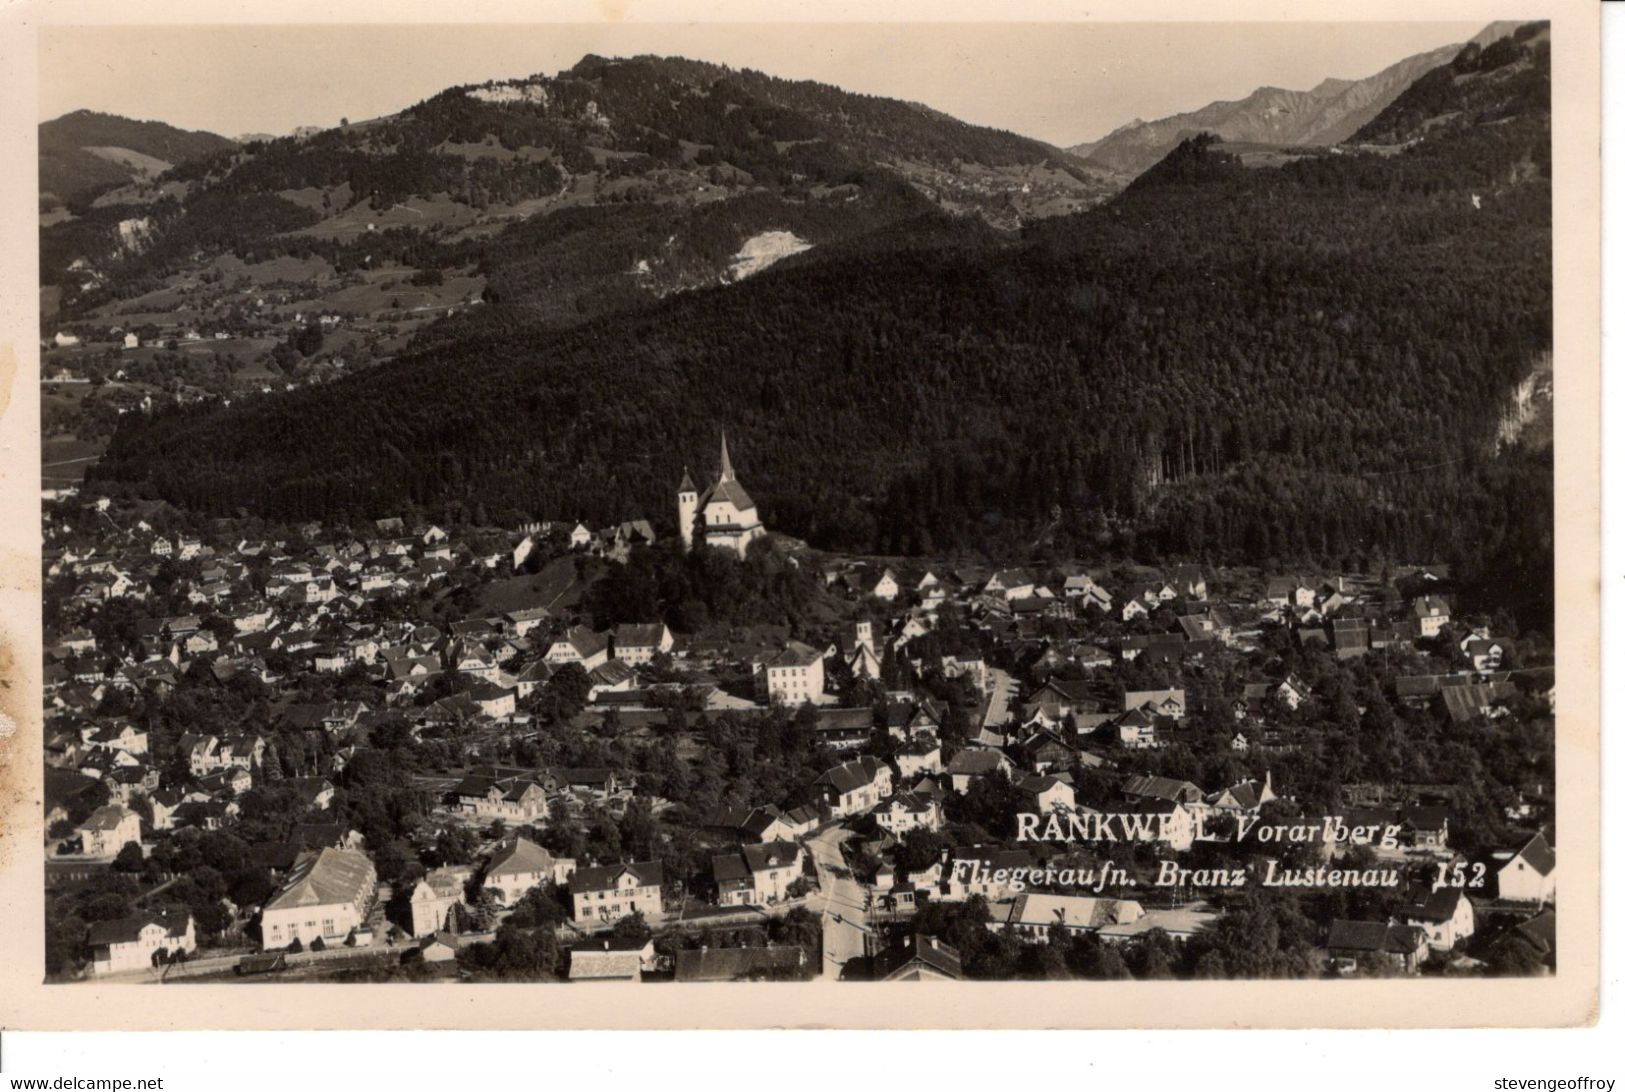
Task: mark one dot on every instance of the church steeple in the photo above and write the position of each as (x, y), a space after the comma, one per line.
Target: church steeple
(687, 484)
(727, 465)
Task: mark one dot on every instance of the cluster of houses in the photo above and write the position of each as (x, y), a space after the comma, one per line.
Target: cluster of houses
(1040, 678)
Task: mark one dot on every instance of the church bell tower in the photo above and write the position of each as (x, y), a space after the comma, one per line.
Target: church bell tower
(688, 510)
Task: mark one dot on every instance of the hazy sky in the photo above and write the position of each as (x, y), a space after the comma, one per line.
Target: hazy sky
(1060, 82)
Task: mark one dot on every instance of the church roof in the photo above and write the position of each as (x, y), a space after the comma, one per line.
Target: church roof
(687, 484)
(730, 491)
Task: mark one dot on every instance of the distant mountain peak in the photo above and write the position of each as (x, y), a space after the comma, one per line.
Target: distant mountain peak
(1332, 111)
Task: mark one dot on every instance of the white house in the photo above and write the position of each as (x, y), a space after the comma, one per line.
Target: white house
(855, 786)
(1446, 917)
(641, 643)
(109, 829)
(908, 811)
(579, 646)
(1432, 615)
(435, 896)
(519, 864)
(608, 893)
(757, 875)
(792, 676)
(130, 944)
(1530, 874)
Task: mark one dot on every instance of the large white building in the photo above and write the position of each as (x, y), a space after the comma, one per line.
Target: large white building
(724, 516)
(325, 896)
(792, 676)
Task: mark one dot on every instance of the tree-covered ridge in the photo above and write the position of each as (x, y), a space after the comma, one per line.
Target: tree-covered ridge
(655, 135)
(1303, 361)
(70, 173)
(1510, 77)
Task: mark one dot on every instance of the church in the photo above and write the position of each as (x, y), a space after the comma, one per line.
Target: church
(724, 517)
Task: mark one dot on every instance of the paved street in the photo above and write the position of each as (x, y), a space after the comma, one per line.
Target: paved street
(1001, 693)
(844, 910)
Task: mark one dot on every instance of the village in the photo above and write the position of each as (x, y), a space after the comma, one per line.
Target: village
(423, 750)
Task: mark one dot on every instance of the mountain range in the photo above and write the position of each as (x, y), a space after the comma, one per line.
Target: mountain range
(1329, 113)
(659, 140)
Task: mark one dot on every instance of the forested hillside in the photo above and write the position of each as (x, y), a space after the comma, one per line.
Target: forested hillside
(654, 139)
(85, 153)
(1309, 361)
(1508, 77)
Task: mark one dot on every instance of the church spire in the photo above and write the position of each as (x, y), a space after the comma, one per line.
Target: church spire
(687, 484)
(727, 465)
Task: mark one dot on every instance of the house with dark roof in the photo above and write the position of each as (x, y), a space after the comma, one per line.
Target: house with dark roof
(1528, 875)
(1350, 942)
(1445, 915)
(972, 763)
(776, 963)
(757, 875)
(1425, 827)
(607, 893)
(771, 824)
(109, 829)
(1141, 787)
(519, 798)
(579, 645)
(1244, 797)
(639, 643)
(854, 787)
(920, 959)
(905, 811)
(134, 943)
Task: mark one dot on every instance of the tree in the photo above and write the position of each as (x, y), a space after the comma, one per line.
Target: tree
(130, 858)
(632, 927)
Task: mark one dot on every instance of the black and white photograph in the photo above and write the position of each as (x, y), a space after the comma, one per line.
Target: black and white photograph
(990, 505)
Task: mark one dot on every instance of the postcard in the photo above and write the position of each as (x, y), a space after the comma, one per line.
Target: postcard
(965, 517)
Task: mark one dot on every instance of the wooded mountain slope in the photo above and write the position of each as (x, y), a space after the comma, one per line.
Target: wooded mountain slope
(81, 154)
(1223, 361)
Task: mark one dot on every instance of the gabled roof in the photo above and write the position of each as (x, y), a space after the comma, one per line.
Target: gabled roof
(108, 817)
(851, 776)
(933, 953)
(330, 877)
(1538, 853)
(974, 761)
(639, 635)
(519, 856)
(1161, 788)
(128, 930)
(1439, 906)
(766, 855)
(760, 820)
(603, 877)
(731, 492)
